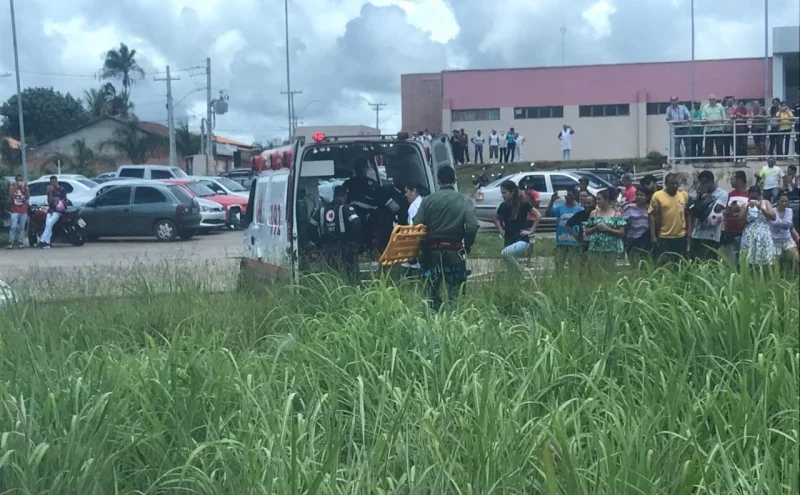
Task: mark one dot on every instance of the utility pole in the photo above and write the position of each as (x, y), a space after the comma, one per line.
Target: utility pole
(173, 153)
(563, 46)
(209, 138)
(292, 116)
(22, 147)
(289, 99)
(377, 107)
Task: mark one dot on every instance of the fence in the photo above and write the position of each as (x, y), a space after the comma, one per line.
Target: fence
(736, 140)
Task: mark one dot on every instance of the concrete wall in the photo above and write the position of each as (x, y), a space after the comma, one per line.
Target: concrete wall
(94, 135)
(596, 138)
(421, 97)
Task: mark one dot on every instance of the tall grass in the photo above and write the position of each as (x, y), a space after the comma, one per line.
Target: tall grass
(664, 383)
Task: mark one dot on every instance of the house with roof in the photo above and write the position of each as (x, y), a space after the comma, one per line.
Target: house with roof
(98, 135)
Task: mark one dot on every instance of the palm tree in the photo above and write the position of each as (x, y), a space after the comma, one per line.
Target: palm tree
(121, 64)
(106, 101)
(134, 143)
(186, 142)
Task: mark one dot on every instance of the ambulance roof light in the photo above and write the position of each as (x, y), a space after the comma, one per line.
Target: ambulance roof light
(318, 137)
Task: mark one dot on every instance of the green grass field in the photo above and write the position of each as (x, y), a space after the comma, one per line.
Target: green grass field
(658, 384)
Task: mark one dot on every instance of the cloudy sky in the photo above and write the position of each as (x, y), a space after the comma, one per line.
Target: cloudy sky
(347, 53)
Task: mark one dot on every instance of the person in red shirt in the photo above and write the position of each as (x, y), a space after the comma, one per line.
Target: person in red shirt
(19, 196)
(740, 115)
(628, 189)
(735, 216)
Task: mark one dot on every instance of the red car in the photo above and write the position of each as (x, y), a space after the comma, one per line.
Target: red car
(235, 206)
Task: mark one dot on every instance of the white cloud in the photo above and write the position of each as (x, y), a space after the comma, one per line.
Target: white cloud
(597, 16)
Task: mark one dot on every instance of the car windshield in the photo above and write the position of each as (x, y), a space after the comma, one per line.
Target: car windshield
(231, 185)
(178, 173)
(88, 183)
(200, 190)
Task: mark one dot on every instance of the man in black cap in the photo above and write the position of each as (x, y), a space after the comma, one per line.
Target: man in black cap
(451, 230)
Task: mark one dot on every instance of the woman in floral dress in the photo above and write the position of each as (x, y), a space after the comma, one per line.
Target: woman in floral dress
(757, 238)
(607, 229)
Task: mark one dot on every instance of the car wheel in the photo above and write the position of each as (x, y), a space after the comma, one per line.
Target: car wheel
(186, 235)
(165, 230)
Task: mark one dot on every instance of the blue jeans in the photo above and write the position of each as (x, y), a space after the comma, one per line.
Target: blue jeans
(513, 251)
(18, 222)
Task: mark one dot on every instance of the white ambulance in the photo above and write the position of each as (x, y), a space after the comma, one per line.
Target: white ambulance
(271, 247)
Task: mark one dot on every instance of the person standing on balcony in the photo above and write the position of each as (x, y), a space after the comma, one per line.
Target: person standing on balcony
(773, 125)
(678, 117)
(784, 116)
(714, 116)
(696, 131)
(729, 104)
(565, 136)
(759, 128)
(740, 116)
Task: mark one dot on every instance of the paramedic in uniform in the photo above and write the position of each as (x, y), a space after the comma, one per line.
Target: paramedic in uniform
(366, 196)
(336, 229)
(451, 226)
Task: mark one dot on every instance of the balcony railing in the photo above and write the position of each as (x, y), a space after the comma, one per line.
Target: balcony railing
(730, 140)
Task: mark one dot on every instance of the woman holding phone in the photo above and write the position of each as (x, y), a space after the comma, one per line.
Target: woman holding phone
(757, 237)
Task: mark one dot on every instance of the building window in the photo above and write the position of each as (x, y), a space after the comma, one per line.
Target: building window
(618, 110)
(475, 115)
(552, 112)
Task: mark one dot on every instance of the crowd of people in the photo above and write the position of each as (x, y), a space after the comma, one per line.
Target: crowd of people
(664, 225)
(724, 129)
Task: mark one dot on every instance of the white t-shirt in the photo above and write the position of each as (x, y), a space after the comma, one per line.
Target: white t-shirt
(494, 140)
(478, 140)
(771, 176)
(566, 139)
(503, 141)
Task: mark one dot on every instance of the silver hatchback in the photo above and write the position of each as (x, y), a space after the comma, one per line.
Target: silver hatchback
(488, 198)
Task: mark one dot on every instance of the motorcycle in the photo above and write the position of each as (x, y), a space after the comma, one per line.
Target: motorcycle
(69, 227)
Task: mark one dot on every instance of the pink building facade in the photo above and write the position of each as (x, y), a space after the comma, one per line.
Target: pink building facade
(617, 111)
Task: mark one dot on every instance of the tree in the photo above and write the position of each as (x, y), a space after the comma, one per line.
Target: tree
(258, 146)
(48, 113)
(106, 101)
(135, 143)
(186, 142)
(121, 64)
(11, 157)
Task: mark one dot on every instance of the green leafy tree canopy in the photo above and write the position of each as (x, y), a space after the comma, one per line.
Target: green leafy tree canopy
(48, 113)
(121, 64)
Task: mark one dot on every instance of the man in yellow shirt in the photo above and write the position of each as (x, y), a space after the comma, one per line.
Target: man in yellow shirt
(670, 223)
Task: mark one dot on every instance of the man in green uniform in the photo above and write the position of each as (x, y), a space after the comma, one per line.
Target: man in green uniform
(451, 224)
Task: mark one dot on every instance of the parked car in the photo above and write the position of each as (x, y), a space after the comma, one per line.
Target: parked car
(212, 215)
(151, 172)
(105, 177)
(142, 210)
(594, 180)
(235, 206)
(487, 199)
(72, 184)
(80, 198)
(222, 185)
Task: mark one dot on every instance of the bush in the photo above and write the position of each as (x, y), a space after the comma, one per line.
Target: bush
(663, 383)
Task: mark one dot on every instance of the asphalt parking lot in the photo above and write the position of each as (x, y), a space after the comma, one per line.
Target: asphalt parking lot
(216, 248)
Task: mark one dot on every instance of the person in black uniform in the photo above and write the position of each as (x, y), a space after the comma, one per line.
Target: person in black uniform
(374, 205)
(337, 231)
(452, 226)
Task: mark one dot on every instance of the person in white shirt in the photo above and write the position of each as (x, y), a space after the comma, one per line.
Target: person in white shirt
(520, 142)
(494, 147)
(565, 136)
(503, 147)
(478, 142)
(414, 202)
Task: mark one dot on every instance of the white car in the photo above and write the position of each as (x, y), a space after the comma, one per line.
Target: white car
(212, 215)
(222, 185)
(74, 185)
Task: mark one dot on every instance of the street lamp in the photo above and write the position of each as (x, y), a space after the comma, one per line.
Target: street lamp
(22, 147)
